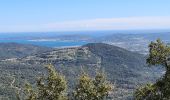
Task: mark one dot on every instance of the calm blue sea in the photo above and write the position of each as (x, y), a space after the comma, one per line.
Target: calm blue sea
(47, 43)
(25, 37)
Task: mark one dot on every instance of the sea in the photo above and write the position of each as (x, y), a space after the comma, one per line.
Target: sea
(50, 39)
(53, 44)
(41, 39)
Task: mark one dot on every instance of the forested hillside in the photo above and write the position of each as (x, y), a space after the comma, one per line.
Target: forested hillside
(14, 50)
(125, 69)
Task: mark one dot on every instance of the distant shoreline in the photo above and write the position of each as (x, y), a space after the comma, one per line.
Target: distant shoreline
(61, 47)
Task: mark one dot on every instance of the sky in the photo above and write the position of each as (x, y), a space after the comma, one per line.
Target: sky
(80, 15)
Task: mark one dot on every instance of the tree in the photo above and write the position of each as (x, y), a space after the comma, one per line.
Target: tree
(147, 92)
(158, 55)
(92, 89)
(102, 86)
(52, 87)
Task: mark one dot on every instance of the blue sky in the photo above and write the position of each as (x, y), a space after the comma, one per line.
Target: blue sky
(77, 15)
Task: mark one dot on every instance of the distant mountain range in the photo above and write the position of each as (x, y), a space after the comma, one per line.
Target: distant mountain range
(136, 41)
(124, 68)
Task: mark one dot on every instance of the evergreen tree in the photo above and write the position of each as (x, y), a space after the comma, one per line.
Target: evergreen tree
(92, 89)
(102, 87)
(52, 87)
(158, 55)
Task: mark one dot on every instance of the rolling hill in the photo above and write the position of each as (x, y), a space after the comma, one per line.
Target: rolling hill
(15, 50)
(124, 68)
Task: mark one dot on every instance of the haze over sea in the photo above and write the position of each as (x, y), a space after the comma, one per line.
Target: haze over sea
(65, 39)
(38, 38)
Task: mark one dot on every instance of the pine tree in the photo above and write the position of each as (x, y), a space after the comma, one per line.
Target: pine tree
(102, 86)
(52, 87)
(92, 89)
(158, 55)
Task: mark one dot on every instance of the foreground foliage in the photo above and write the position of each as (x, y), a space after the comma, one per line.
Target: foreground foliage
(92, 89)
(53, 87)
(158, 55)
